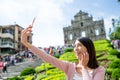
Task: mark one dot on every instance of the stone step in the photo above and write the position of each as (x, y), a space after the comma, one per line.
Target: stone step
(15, 70)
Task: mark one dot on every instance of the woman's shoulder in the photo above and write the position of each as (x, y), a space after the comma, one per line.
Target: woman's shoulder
(99, 69)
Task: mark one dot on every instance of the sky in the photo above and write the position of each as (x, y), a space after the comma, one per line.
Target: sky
(53, 15)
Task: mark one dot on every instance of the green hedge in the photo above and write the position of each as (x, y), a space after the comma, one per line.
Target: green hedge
(115, 64)
(44, 67)
(116, 74)
(113, 52)
(55, 77)
(109, 71)
(68, 50)
(53, 71)
(27, 71)
(30, 77)
(41, 76)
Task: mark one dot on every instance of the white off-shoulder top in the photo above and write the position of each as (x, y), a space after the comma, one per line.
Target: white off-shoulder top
(79, 77)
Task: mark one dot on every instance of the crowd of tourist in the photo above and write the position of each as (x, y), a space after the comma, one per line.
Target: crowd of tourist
(54, 51)
(20, 56)
(12, 59)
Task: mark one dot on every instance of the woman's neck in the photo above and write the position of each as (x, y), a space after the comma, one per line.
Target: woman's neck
(79, 65)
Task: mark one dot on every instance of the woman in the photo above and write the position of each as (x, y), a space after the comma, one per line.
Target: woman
(1, 66)
(86, 68)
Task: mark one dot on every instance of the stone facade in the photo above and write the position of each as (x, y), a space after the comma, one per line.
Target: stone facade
(84, 26)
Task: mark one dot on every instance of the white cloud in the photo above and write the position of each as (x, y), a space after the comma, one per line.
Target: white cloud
(49, 18)
(48, 25)
(50, 15)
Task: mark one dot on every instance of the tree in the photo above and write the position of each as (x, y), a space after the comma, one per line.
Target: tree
(116, 34)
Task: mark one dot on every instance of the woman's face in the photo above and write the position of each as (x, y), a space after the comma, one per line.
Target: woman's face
(79, 49)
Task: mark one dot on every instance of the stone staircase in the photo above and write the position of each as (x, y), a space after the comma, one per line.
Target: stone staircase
(15, 70)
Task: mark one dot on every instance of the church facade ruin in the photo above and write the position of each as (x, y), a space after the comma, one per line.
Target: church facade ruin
(83, 25)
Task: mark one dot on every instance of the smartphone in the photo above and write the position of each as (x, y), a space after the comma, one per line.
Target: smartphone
(33, 21)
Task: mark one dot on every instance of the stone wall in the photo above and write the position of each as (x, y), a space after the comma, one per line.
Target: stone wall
(83, 25)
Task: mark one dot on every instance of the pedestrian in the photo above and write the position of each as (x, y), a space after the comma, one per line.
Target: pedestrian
(51, 52)
(1, 66)
(86, 68)
(5, 65)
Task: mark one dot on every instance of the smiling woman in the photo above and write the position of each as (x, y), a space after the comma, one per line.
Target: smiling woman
(86, 68)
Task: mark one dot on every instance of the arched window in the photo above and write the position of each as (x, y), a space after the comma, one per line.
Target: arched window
(81, 23)
(97, 32)
(83, 34)
(70, 37)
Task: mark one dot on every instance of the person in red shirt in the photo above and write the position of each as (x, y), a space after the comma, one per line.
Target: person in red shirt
(1, 65)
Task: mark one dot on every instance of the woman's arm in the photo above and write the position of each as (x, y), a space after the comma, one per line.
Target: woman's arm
(62, 65)
(40, 53)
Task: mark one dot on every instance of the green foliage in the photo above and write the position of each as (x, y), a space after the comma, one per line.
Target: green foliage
(69, 56)
(29, 78)
(107, 57)
(99, 54)
(44, 67)
(55, 77)
(59, 78)
(102, 45)
(112, 57)
(113, 52)
(102, 63)
(118, 55)
(53, 71)
(116, 73)
(102, 58)
(56, 55)
(68, 50)
(110, 45)
(116, 34)
(27, 71)
(15, 78)
(118, 31)
(40, 76)
(109, 71)
(115, 64)
(112, 36)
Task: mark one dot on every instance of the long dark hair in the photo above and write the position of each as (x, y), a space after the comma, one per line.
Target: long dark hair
(88, 43)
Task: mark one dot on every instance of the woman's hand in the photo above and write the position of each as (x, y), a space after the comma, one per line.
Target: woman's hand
(24, 35)
(85, 59)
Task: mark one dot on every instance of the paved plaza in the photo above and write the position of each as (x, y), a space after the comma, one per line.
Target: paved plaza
(15, 70)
